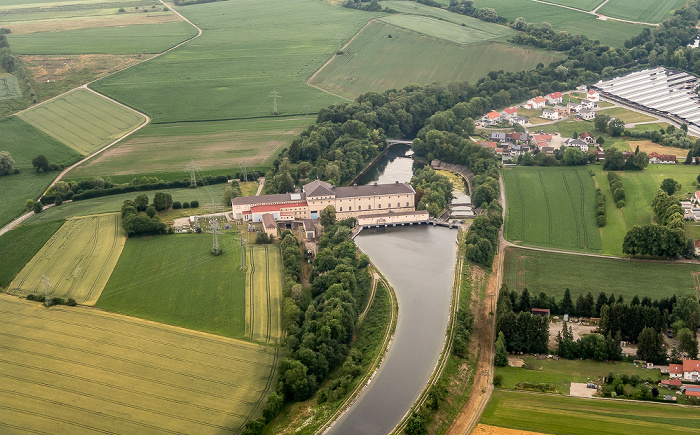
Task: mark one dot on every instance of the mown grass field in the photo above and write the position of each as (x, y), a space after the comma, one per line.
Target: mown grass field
(648, 11)
(78, 260)
(640, 188)
(553, 273)
(563, 372)
(72, 370)
(230, 70)
(83, 120)
(175, 280)
(114, 203)
(586, 5)
(24, 142)
(475, 31)
(263, 293)
(17, 247)
(567, 127)
(570, 415)
(629, 116)
(552, 207)
(384, 56)
(213, 145)
(613, 33)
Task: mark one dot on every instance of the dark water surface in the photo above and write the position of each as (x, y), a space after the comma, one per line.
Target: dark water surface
(395, 165)
(418, 261)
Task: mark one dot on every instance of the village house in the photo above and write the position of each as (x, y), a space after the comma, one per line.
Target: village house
(547, 138)
(573, 107)
(517, 137)
(587, 137)
(562, 110)
(696, 198)
(522, 120)
(593, 96)
(554, 98)
(576, 143)
(588, 104)
(509, 112)
(688, 371)
(550, 114)
(491, 118)
(519, 150)
(666, 159)
(586, 114)
(269, 225)
(691, 390)
(498, 136)
(583, 88)
(536, 103)
(547, 150)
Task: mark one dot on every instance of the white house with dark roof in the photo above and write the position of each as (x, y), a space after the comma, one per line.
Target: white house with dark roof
(586, 114)
(588, 104)
(550, 114)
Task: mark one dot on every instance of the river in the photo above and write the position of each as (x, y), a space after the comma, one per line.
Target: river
(418, 262)
(394, 165)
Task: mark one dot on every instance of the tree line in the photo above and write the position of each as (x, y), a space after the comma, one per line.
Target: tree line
(618, 190)
(433, 191)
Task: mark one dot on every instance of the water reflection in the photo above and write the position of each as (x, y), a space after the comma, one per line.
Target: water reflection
(395, 165)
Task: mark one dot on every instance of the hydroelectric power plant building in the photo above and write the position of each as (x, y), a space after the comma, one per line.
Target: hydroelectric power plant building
(661, 91)
(348, 201)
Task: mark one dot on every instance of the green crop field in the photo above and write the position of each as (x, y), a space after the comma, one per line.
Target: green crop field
(629, 116)
(586, 5)
(263, 294)
(649, 11)
(175, 280)
(436, 28)
(9, 88)
(77, 260)
(216, 144)
(230, 71)
(574, 416)
(83, 120)
(19, 246)
(114, 203)
(563, 372)
(552, 207)
(640, 188)
(376, 62)
(72, 370)
(609, 32)
(553, 273)
(24, 142)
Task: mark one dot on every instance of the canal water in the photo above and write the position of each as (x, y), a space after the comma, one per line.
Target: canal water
(418, 262)
(395, 165)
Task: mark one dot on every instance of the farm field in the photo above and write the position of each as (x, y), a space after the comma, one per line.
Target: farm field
(542, 272)
(17, 247)
(640, 188)
(375, 62)
(436, 28)
(648, 11)
(24, 142)
(244, 62)
(174, 279)
(88, 249)
(586, 5)
(9, 88)
(563, 372)
(83, 120)
(629, 116)
(74, 370)
(114, 203)
(612, 33)
(215, 144)
(148, 38)
(263, 294)
(551, 207)
(574, 416)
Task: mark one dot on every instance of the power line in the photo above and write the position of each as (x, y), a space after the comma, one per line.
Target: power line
(47, 289)
(191, 167)
(274, 95)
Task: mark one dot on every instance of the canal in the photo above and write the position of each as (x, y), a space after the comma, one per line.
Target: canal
(418, 262)
(396, 164)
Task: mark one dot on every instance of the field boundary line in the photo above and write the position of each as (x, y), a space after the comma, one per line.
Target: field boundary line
(573, 207)
(549, 210)
(596, 14)
(308, 81)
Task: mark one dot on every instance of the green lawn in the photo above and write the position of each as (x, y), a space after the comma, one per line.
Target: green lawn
(151, 38)
(629, 116)
(640, 188)
(553, 273)
(551, 207)
(567, 127)
(384, 56)
(18, 246)
(648, 11)
(112, 203)
(570, 415)
(175, 280)
(213, 145)
(650, 126)
(563, 372)
(608, 32)
(248, 49)
(25, 142)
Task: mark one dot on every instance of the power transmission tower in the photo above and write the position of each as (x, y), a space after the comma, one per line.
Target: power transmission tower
(306, 111)
(191, 167)
(215, 249)
(245, 171)
(274, 95)
(47, 288)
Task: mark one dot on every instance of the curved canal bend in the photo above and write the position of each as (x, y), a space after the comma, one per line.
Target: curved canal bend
(419, 263)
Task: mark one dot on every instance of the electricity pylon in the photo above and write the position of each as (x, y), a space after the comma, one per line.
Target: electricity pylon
(274, 95)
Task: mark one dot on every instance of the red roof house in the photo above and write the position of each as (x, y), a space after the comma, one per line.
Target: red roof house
(675, 371)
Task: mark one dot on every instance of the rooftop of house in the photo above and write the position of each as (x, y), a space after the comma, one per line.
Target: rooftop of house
(268, 221)
(592, 92)
(676, 369)
(539, 99)
(277, 198)
(584, 135)
(493, 115)
(510, 110)
(555, 95)
(276, 207)
(373, 190)
(691, 365)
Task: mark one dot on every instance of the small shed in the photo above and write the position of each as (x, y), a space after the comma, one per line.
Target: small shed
(269, 224)
(541, 311)
(309, 229)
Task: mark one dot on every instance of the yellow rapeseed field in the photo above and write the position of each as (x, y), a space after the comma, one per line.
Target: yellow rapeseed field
(79, 369)
(77, 260)
(263, 293)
